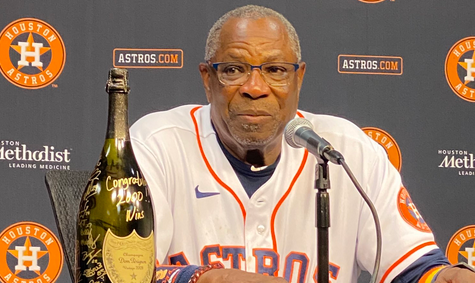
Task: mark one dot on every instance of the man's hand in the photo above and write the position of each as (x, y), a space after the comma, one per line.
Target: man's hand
(455, 275)
(239, 276)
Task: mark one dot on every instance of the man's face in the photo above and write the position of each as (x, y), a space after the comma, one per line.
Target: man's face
(253, 115)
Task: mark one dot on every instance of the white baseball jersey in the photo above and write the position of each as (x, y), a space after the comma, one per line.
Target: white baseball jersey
(204, 215)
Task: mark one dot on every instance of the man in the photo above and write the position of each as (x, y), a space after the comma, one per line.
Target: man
(227, 188)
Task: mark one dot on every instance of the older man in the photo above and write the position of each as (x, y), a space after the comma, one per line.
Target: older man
(228, 189)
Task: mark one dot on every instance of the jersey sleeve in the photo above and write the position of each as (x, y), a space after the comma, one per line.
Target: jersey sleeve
(405, 235)
(414, 272)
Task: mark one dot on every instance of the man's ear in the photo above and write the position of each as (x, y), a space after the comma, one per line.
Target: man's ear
(206, 78)
(301, 73)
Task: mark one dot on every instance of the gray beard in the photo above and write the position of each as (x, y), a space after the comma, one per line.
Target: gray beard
(250, 142)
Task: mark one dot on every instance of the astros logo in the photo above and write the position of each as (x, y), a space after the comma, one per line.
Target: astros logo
(29, 252)
(388, 143)
(460, 68)
(461, 247)
(32, 53)
(409, 212)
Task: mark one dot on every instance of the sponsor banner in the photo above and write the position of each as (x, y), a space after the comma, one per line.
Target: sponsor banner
(461, 247)
(458, 160)
(147, 58)
(19, 155)
(388, 143)
(460, 68)
(32, 53)
(372, 65)
(29, 252)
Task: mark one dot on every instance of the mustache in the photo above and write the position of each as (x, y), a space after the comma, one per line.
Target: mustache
(253, 109)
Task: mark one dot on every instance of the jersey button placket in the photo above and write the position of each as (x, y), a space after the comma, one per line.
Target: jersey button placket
(256, 228)
(260, 229)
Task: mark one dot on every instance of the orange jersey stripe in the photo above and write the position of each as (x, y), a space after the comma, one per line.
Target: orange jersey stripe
(210, 169)
(274, 213)
(404, 257)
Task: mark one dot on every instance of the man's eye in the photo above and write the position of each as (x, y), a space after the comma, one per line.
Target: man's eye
(276, 69)
(233, 70)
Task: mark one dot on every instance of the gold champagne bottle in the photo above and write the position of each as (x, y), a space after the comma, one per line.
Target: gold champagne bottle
(115, 228)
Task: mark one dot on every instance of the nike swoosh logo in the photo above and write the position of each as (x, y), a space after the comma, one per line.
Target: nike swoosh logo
(204, 194)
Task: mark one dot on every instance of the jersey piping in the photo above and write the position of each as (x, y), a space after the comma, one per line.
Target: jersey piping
(210, 169)
(224, 185)
(401, 259)
(279, 203)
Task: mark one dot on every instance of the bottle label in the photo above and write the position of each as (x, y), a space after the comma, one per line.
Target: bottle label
(129, 259)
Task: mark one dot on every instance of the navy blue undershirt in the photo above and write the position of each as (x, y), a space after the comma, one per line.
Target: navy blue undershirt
(252, 180)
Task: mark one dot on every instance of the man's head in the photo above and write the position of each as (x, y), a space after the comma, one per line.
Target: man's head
(250, 106)
(249, 12)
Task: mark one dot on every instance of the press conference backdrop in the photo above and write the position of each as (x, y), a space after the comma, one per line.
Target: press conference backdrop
(401, 70)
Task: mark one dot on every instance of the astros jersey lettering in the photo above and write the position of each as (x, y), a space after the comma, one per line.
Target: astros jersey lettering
(203, 214)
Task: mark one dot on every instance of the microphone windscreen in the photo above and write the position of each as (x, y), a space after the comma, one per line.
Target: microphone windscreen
(292, 127)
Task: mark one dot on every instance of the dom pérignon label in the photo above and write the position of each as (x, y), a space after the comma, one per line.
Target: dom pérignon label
(115, 227)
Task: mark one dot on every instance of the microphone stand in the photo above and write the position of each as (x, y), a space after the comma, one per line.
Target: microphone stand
(299, 133)
(322, 218)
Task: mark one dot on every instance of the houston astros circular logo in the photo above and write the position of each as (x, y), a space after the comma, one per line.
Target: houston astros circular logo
(388, 143)
(32, 53)
(460, 68)
(29, 252)
(461, 247)
(409, 212)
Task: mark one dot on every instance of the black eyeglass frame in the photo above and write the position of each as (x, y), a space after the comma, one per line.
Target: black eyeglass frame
(215, 67)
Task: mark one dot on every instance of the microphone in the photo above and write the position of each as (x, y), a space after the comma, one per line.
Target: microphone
(299, 133)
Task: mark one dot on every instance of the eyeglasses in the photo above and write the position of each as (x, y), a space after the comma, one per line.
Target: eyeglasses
(237, 73)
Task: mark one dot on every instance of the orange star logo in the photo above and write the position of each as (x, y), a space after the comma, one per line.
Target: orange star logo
(26, 251)
(459, 247)
(459, 57)
(469, 252)
(29, 242)
(465, 65)
(38, 46)
(30, 49)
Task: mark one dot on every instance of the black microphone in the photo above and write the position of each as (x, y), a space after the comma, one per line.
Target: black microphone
(299, 133)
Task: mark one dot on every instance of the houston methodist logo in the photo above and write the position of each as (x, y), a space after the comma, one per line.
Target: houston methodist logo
(461, 247)
(460, 68)
(29, 252)
(458, 159)
(32, 53)
(388, 143)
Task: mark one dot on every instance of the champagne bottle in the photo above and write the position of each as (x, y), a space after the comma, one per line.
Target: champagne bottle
(115, 228)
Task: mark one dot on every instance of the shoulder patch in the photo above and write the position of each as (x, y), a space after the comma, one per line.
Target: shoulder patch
(409, 212)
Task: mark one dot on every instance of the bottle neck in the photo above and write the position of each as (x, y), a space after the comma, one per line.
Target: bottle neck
(118, 124)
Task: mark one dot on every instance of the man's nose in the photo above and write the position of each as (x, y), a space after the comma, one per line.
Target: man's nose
(255, 87)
